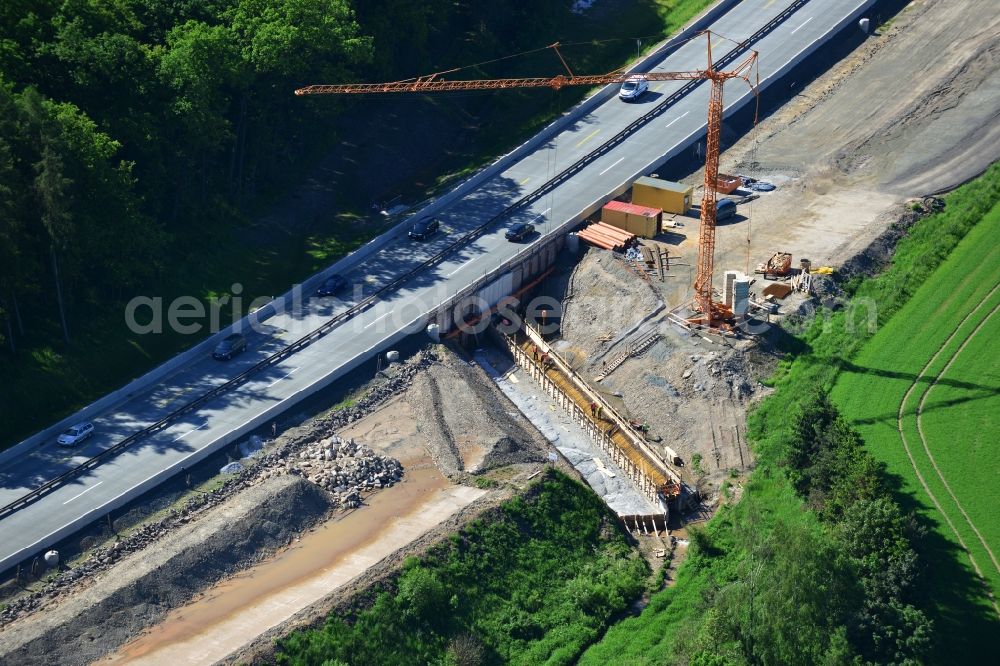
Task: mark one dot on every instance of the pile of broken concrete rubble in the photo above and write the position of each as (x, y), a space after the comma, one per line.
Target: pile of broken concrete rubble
(343, 467)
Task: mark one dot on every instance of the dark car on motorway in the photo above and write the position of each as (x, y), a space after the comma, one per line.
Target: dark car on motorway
(332, 285)
(425, 228)
(519, 231)
(230, 346)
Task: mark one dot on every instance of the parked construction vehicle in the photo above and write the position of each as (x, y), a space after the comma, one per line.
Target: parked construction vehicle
(779, 265)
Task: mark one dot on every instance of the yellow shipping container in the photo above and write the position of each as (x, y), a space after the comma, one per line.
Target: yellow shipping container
(668, 196)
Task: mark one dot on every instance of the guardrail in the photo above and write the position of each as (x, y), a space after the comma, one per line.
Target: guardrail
(347, 263)
(360, 307)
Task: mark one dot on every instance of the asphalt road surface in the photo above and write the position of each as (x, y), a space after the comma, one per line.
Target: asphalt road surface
(28, 530)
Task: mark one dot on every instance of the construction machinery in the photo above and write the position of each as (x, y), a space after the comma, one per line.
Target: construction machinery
(710, 312)
(779, 265)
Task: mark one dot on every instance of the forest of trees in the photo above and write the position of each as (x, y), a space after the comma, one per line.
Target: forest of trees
(848, 591)
(816, 564)
(128, 127)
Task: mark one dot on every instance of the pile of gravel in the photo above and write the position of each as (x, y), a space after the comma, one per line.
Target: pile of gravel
(364, 471)
(720, 375)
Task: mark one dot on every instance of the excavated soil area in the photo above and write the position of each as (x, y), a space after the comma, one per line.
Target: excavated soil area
(451, 420)
(910, 112)
(690, 392)
(151, 582)
(441, 417)
(468, 425)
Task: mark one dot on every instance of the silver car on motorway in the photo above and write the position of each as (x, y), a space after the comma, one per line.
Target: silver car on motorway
(76, 434)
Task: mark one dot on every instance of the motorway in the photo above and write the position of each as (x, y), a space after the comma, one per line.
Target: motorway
(39, 524)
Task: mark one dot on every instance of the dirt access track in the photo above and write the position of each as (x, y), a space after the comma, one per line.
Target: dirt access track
(911, 112)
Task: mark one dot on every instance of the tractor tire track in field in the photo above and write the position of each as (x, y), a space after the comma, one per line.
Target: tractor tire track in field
(923, 439)
(909, 453)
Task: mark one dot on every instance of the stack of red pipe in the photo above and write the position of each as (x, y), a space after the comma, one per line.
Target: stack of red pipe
(606, 236)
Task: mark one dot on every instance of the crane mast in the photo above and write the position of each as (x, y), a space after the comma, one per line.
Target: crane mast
(712, 312)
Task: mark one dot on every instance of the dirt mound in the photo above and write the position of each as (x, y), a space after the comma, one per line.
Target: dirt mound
(876, 256)
(596, 313)
(118, 606)
(468, 425)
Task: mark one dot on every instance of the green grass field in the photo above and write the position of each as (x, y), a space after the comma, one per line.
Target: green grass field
(944, 268)
(925, 394)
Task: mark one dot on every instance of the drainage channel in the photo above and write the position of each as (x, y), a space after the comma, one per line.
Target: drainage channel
(233, 613)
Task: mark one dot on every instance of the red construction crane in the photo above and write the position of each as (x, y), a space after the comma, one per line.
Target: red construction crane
(712, 312)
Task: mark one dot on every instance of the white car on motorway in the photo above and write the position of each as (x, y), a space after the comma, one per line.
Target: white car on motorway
(76, 434)
(633, 88)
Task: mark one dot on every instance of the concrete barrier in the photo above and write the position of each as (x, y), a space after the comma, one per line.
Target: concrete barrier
(346, 264)
(142, 383)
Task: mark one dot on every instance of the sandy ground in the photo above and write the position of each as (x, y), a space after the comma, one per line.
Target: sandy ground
(159, 586)
(228, 617)
(451, 421)
(410, 428)
(911, 112)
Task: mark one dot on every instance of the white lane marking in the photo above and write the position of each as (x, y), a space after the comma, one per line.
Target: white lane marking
(545, 212)
(292, 372)
(677, 118)
(182, 436)
(377, 320)
(83, 493)
(461, 267)
(802, 26)
(611, 167)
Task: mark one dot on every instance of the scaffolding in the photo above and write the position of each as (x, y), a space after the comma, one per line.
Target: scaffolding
(613, 433)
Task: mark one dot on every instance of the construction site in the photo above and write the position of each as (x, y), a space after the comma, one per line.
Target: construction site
(663, 314)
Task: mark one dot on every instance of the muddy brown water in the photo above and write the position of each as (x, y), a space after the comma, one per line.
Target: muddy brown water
(274, 585)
